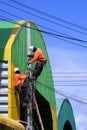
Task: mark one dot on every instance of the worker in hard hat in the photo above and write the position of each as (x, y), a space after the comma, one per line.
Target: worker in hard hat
(19, 87)
(18, 79)
(37, 57)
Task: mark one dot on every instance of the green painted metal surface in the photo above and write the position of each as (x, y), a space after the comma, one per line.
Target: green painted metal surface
(19, 55)
(45, 81)
(64, 115)
(5, 30)
(19, 50)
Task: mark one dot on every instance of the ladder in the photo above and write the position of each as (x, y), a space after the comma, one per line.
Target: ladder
(31, 103)
(4, 88)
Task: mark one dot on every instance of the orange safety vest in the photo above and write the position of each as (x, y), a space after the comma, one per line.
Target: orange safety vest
(18, 79)
(37, 56)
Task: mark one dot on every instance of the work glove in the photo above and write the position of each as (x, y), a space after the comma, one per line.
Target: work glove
(29, 63)
(30, 56)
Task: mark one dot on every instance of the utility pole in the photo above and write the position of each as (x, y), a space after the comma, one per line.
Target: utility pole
(32, 100)
(30, 109)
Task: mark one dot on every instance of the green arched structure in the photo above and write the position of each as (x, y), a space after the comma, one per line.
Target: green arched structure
(15, 38)
(65, 118)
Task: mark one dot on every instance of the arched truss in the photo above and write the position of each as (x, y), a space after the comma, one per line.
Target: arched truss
(18, 36)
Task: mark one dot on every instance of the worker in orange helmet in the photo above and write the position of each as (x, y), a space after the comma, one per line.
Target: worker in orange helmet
(18, 79)
(39, 58)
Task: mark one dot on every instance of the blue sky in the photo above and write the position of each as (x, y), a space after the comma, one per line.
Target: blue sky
(68, 60)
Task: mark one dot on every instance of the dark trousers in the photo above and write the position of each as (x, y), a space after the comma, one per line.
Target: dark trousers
(37, 70)
(22, 91)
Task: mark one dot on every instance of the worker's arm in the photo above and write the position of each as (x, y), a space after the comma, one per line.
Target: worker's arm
(23, 77)
(35, 57)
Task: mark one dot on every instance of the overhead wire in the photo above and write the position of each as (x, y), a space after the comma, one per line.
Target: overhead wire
(67, 80)
(49, 33)
(52, 17)
(64, 78)
(70, 85)
(63, 36)
(6, 12)
(18, 16)
(39, 16)
(73, 97)
(49, 15)
(71, 72)
(28, 12)
(70, 77)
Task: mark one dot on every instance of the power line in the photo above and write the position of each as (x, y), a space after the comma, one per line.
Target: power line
(70, 85)
(6, 12)
(71, 80)
(69, 77)
(80, 72)
(50, 16)
(63, 36)
(42, 17)
(78, 99)
(73, 97)
(49, 33)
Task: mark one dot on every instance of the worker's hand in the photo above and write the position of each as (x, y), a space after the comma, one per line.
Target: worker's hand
(30, 56)
(29, 63)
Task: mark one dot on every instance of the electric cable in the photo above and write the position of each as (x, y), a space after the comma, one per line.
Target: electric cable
(70, 72)
(62, 35)
(42, 18)
(49, 33)
(73, 97)
(6, 12)
(71, 76)
(78, 99)
(67, 80)
(73, 39)
(50, 16)
(73, 85)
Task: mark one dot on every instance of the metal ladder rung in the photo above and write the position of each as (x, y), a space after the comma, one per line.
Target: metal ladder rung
(3, 95)
(3, 109)
(3, 102)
